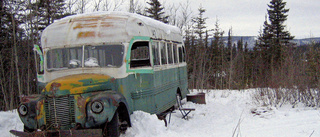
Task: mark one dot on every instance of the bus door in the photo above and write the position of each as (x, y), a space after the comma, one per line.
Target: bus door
(141, 80)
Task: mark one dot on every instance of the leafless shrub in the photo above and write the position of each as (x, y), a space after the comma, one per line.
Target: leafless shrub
(277, 97)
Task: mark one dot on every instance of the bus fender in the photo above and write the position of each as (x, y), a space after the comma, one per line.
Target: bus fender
(112, 101)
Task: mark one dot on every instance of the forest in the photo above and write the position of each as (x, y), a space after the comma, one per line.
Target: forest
(280, 70)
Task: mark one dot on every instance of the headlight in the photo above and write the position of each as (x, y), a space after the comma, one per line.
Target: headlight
(23, 110)
(97, 107)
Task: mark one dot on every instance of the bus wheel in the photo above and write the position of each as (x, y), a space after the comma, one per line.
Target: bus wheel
(112, 128)
(26, 129)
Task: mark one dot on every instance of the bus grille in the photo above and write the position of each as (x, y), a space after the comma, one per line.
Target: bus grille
(59, 112)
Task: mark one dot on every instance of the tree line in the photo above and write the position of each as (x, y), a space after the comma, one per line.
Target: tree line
(212, 62)
(282, 71)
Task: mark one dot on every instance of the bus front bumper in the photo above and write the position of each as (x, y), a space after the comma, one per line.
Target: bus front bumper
(60, 133)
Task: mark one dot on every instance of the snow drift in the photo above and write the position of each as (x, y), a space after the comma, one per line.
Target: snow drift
(227, 113)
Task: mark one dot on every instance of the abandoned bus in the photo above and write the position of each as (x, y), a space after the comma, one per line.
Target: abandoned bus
(96, 69)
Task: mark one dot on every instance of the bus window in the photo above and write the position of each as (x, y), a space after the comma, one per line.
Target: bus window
(94, 56)
(163, 53)
(180, 55)
(184, 54)
(169, 50)
(140, 56)
(62, 58)
(103, 56)
(75, 57)
(156, 55)
(175, 54)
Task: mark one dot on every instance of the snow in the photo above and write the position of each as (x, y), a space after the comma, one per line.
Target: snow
(226, 113)
(91, 62)
(9, 120)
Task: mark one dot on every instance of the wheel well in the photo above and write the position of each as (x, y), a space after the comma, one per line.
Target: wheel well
(123, 113)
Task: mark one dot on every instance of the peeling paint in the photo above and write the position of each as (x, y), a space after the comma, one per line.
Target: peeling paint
(81, 104)
(77, 84)
(86, 34)
(85, 25)
(40, 110)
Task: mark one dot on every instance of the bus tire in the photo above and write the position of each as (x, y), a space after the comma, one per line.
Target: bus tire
(112, 128)
(26, 129)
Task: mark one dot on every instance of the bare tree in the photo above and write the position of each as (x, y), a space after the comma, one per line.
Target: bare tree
(186, 12)
(173, 13)
(70, 4)
(82, 6)
(112, 6)
(97, 5)
(131, 8)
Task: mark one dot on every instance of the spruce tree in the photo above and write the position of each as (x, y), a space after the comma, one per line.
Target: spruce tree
(48, 11)
(277, 16)
(43, 13)
(156, 12)
(273, 39)
(200, 25)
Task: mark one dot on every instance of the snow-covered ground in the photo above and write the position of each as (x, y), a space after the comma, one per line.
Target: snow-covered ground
(226, 113)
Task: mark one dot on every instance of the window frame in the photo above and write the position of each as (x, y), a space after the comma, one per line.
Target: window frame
(66, 56)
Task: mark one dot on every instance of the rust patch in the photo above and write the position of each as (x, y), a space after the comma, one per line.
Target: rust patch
(40, 108)
(106, 24)
(87, 18)
(114, 102)
(55, 86)
(27, 99)
(86, 34)
(86, 25)
(81, 103)
(121, 89)
(98, 17)
(24, 99)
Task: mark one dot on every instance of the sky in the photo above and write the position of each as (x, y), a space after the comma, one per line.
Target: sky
(246, 17)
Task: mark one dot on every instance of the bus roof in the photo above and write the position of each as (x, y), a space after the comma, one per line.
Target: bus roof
(105, 27)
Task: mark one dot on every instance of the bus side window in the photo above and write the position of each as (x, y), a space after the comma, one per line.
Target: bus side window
(184, 54)
(156, 54)
(163, 53)
(169, 49)
(175, 54)
(140, 56)
(180, 55)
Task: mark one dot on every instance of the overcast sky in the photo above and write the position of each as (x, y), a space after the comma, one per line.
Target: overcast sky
(246, 17)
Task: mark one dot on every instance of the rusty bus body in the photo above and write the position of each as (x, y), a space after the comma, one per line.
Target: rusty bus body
(98, 68)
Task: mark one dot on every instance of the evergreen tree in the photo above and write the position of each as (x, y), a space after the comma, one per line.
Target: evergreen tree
(48, 11)
(199, 26)
(277, 16)
(274, 38)
(240, 45)
(43, 13)
(156, 11)
(11, 37)
(229, 43)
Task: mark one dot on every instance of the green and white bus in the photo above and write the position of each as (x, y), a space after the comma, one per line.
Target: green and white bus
(95, 69)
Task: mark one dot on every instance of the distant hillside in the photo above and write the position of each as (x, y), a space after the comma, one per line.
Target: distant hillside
(306, 41)
(251, 40)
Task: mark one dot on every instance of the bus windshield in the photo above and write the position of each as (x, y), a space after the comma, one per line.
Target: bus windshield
(86, 56)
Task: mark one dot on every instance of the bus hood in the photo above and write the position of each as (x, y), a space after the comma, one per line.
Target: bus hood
(78, 84)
